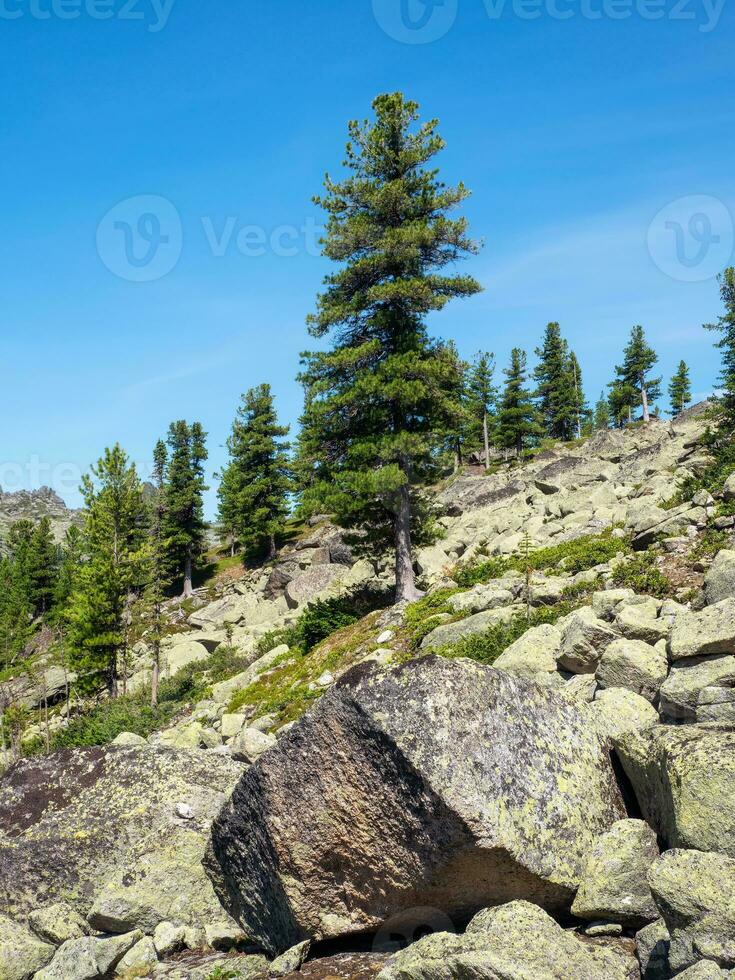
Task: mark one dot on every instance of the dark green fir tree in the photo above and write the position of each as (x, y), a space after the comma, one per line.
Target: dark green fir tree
(185, 485)
(253, 493)
(382, 399)
(680, 389)
(518, 424)
(725, 324)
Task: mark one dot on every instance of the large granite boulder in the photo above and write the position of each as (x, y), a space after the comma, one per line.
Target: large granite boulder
(700, 634)
(614, 885)
(89, 957)
(695, 892)
(584, 639)
(533, 656)
(119, 832)
(21, 953)
(684, 779)
(680, 693)
(440, 783)
(719, 582)
(634, 665)
(517, 941)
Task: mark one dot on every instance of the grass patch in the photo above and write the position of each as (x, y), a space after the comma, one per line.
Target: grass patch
(641, 574)
(573, 556)
(709, 544)
(288, 689)
(421, 617)
(485, 648)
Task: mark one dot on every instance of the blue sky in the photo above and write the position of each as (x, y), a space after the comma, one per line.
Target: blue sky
(598, 147)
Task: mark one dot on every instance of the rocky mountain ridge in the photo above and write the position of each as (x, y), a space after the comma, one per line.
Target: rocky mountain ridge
(535, 763)
(33, 505)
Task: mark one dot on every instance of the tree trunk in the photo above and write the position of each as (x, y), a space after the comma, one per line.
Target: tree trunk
(271, 546)
(644, 402)
(232, 545)
(405, 579)
(487, 441)
(154, 679)
(188, 590)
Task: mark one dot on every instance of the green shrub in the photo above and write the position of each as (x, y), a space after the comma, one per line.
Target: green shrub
(573, 556)
(104, 722)
(420, 618)
(641, 574)
(709, 544)
(325, 616)
(486, 647)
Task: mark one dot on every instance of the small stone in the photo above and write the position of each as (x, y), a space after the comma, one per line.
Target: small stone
(58, 923)
(184, 811)
(250, 744)
(291, 961)
(223, 936)
(604, 929)
(138, 960)
(129, 739)
(232, 724)
(385, 637)
(169, 938)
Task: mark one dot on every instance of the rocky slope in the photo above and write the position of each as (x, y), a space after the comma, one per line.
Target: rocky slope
(534, 765)
(32, 505)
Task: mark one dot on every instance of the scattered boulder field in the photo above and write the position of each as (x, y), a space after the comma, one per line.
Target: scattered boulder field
(528, 775)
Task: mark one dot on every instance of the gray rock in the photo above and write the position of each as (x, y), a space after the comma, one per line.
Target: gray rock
(641, 622)
(223, 936)
(88, 958)
(128, 738)
(696, 895)
(716, 704)
(684, 780)
(605, 603)
(511, 942)
(291, 961)
(614, 885)
(533, 656)
(307, 586)
(57, 923)
(617, 710)
(728, 491)
(479, 623)
(584, 639)
(705, 633)
(139, 960)
(479, 598)
(484, 802)
(249, 744)
(98, 828)
(679, 693)
(603, 928)
(634, 665)
(652, 948)
(704, 970)
(21, 953)
(169, 938)
(580, 687)
(719, 582)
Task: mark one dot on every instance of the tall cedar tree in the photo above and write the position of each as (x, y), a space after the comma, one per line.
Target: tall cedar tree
(460, 431)
(253, 491)
(601, 419)
(621, 401)
(581, 413)
(633, 373)
(382, 401)
(680, 389)
(726, 326)
(157, 578)
(98, 611)
(518, 420)
(481, 396)
(556, 391)
(185, 527)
